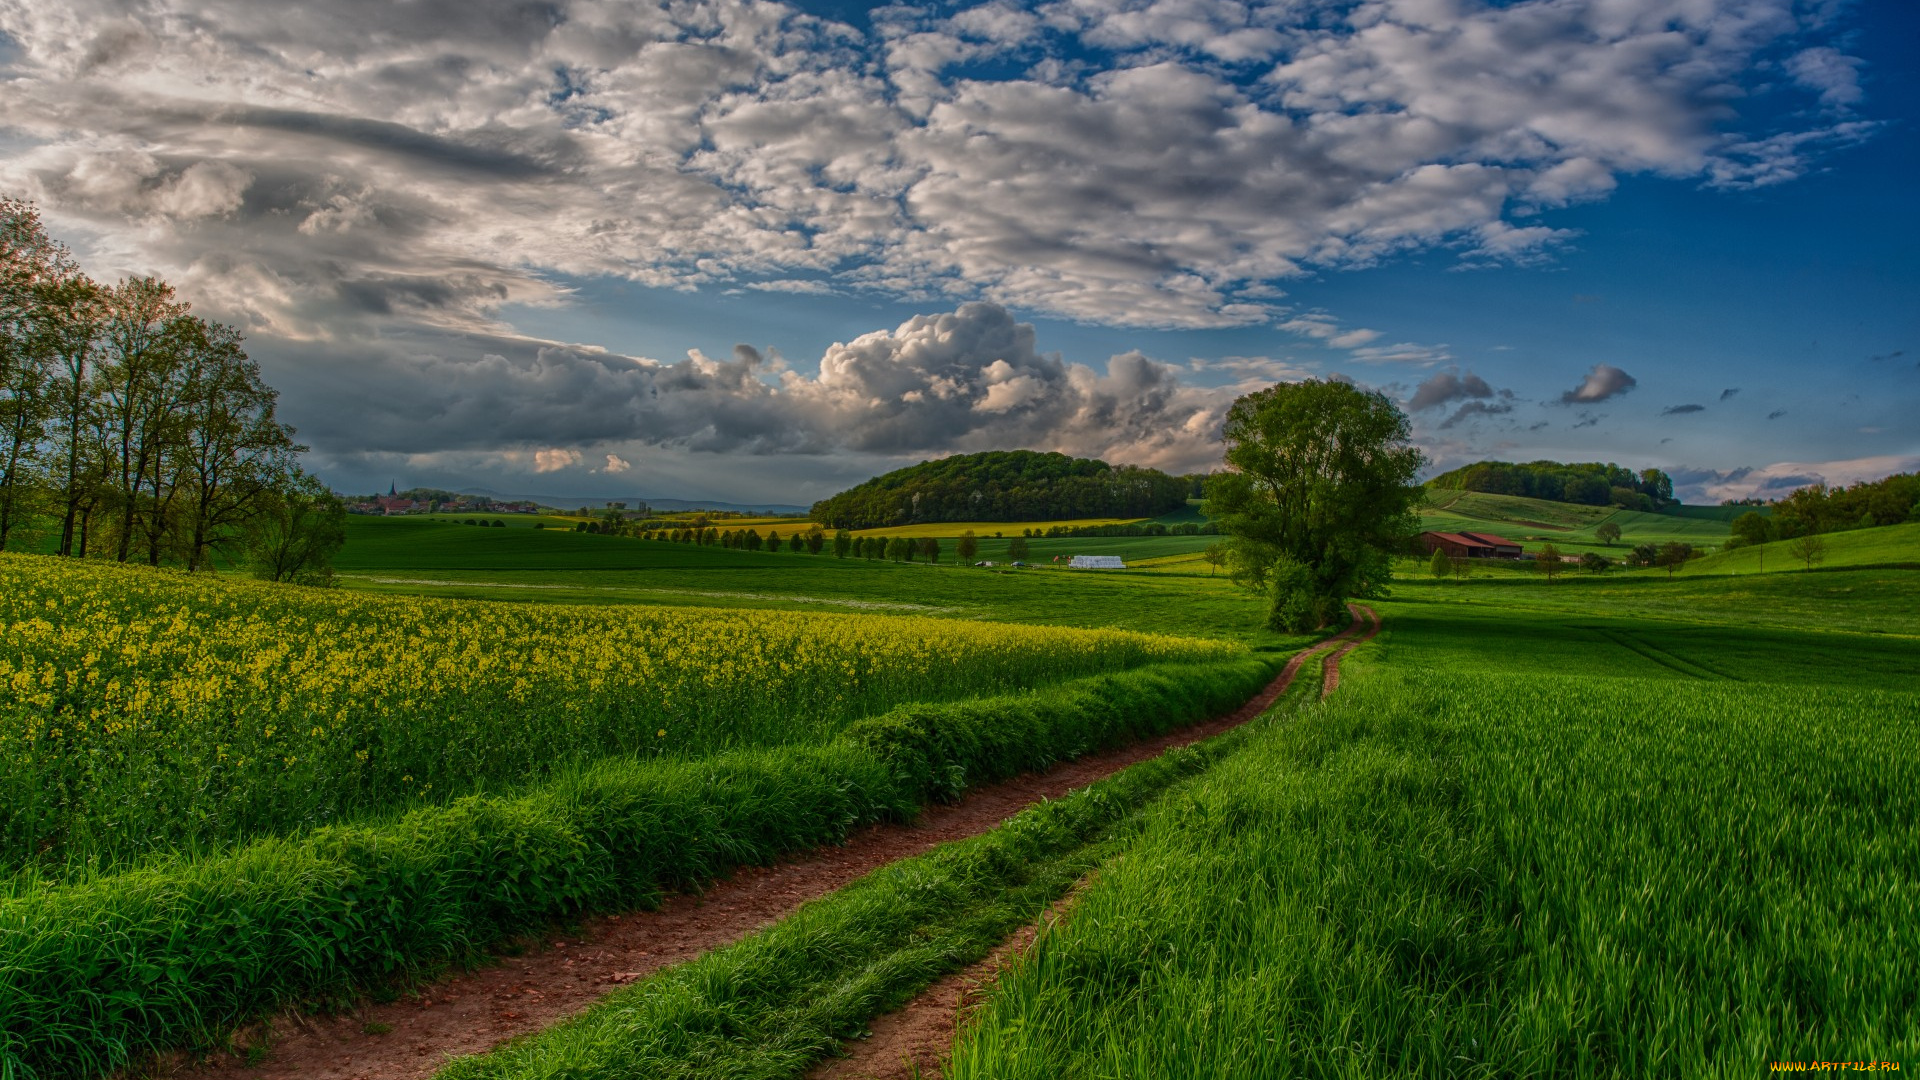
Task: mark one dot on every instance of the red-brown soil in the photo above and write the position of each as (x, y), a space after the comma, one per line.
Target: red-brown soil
(472, 1011)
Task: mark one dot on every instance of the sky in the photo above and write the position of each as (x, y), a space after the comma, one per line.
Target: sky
(760, 251)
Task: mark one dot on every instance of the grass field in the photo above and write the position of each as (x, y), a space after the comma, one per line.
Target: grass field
(1609, 825)
(1525, 842)
(1885, 545)
(1570, 526)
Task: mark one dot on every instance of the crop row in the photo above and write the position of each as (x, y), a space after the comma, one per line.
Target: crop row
(98, 971)
(144, 711)
(1469, 874)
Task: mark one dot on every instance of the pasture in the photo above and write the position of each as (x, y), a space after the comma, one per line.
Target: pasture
(1601, 826)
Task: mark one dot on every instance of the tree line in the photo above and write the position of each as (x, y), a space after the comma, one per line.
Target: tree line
(1004, 485)
(1817, 508)
(1589, 483)
(132, 429)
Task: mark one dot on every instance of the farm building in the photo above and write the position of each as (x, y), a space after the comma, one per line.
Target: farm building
(1467, 545)
(1097, 562)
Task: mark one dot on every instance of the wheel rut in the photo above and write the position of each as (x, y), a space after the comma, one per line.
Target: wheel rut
(562, 975)
(912, 1042)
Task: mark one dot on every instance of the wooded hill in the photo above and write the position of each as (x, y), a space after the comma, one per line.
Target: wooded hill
(1003, 485)
(1589, 483)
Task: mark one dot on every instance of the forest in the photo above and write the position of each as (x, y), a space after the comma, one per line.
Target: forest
(1014, 485)
(1590, 483)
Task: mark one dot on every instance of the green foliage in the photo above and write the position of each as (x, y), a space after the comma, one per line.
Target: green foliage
(1463, 873)
(1017, 549)
(1319, 493)
(966, 548)
(299, 530)
(1595, 563)
(1439, 565)
(95, 972)
(1607, 532)
(1592, 483)
(1821, 509)
(1003, 485)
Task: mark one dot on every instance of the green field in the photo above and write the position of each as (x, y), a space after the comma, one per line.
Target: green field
(1606, 825)
(1570, 526)
(1885, 545)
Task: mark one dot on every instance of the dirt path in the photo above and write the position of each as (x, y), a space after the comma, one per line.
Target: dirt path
(912, 1043)
(1331, 680)
(474, 1011)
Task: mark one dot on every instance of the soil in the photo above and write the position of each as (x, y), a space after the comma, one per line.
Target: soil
(473, 1011)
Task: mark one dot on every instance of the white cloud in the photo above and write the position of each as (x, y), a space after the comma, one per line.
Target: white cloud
(1163, 172)
(1775, 480)
(617, 464)
(546, 461)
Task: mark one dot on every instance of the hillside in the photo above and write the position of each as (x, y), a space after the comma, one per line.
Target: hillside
(1887, 545)
(1588, 483)
(1016, 485)
(1570, 526)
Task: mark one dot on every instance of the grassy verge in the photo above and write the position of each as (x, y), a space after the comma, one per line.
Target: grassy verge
(97, 972)
(775, 1003)
(1478, 874)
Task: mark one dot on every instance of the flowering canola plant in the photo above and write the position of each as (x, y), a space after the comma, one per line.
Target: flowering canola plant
(148, 710)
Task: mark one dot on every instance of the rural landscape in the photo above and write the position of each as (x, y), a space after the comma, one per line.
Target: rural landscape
(403, 676)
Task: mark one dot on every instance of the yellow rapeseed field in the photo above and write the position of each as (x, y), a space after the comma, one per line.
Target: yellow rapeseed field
(149, 709)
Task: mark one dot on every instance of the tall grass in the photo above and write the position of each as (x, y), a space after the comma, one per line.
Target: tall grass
(146, 711)
(1499, 875)
(96, 972)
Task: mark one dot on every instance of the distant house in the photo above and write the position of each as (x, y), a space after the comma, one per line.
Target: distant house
(1097, 562)
(1470, 545)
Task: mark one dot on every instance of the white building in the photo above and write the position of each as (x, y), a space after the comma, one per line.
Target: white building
(1097, 562)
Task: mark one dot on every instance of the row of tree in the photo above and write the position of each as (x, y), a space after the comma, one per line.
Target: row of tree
(1589, 483)
(132, 429)
(1010, 485)
(1821, 509)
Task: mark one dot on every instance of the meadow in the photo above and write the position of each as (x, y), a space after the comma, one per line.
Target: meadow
(1577, 847)
(1570, 526)
(1607, 825)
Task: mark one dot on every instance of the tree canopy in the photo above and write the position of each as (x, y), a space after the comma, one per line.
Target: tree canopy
(1590, 483)
(1319, 491)
(1003, 485)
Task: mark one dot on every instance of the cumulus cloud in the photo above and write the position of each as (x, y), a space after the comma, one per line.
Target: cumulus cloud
(1603, 381)
(1156, 162)
(1444, 387)
(617, 464)
(964, 380)
(545, 461)
(1682, 410)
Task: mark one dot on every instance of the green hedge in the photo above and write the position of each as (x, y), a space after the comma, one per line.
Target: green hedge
(95, 974)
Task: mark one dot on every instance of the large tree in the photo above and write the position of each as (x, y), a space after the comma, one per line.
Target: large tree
(1317, 494)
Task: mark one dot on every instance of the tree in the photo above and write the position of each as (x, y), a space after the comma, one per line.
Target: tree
(1548, 560)
(1607, 533)
(1017, 549)
(1673, 555)
(1216, 556)
(967, 547)
(1595, 563)
(1645, 555)
(773, 540)
(1319, 492)
(1439, 566)
(1753, 527)
(930, 549)
(299, 529)
(842, 543)
(816, 540)
(1809, 549)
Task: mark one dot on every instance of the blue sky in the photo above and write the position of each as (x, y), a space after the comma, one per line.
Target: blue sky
(478, 246)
